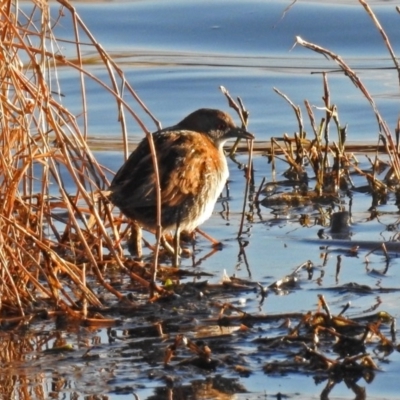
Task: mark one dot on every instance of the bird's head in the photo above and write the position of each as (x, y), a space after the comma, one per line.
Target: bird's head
(216, 124)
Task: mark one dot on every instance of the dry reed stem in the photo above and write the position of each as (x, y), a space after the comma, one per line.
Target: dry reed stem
(383, 127)
(327, 100)
(296, 109)
(121, 104)
(244, 116)
(312, 118)
(370, 12)
(49, 235)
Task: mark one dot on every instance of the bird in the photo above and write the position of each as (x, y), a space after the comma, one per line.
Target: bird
(192, 173)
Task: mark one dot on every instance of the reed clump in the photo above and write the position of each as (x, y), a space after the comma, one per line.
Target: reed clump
(327, 159)
(56, 227)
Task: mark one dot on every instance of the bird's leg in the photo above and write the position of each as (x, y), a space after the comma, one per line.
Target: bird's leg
(135, 240)
(172, 249)
(167, 246)
(177, 247)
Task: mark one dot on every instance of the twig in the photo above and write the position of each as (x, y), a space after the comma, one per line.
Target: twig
(383, 34)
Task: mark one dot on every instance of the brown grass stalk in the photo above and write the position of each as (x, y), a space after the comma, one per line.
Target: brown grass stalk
(50, 235)
(383, 127)
(385, 38)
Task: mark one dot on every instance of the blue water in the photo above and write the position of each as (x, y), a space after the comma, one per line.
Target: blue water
(176, 55)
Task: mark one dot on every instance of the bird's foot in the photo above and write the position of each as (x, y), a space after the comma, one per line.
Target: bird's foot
(214, 242)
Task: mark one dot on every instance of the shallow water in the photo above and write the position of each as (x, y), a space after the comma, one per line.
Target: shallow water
(176, 54)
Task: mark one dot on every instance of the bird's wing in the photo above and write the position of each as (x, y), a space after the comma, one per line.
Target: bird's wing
(184, 173)
(184, 158)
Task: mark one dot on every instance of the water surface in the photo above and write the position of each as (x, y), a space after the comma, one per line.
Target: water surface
(176, 55)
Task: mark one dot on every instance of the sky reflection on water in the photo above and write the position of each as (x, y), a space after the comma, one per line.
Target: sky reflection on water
(178, 56)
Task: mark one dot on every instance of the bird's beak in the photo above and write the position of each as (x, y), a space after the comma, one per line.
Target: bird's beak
(240, 133)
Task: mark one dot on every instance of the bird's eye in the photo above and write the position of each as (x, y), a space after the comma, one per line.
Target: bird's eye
(222, 126)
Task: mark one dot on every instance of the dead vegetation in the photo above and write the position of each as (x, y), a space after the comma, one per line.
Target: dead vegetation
(324, 158)
(56, 229)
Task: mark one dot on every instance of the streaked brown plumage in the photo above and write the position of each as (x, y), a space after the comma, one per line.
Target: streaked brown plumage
(192, 169)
